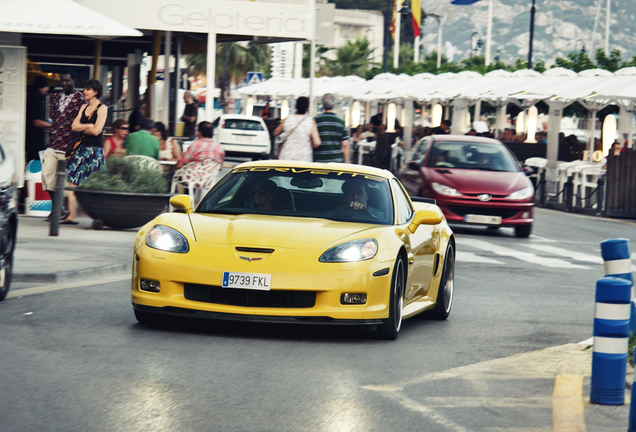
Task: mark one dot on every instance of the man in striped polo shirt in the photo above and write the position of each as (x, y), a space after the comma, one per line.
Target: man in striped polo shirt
(334, 135)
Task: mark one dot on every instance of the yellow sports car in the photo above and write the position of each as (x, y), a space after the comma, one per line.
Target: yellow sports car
(297, 242)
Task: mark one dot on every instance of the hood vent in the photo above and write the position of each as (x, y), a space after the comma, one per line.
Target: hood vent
(254, 250)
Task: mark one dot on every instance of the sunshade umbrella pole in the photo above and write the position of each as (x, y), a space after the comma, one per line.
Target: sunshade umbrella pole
(98, 58)
(152, 78)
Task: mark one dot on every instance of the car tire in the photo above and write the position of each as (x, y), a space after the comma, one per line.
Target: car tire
(523, 231)
(391, 327)
(446, 290)
(6, 266)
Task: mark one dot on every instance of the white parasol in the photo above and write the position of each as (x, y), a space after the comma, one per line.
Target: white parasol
(59, 17)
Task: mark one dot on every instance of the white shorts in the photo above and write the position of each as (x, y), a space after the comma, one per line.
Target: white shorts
(49, 168)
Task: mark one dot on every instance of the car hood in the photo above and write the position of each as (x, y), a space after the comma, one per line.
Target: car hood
(271, 231)
(477, 181)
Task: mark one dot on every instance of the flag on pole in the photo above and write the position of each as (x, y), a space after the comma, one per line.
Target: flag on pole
(392, 26)
(416, 16)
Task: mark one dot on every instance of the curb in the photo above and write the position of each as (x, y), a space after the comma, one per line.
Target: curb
(67, 276)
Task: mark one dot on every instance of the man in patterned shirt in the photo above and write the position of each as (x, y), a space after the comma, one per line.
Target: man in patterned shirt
(333, 134)
(204, 147)
(65, 107)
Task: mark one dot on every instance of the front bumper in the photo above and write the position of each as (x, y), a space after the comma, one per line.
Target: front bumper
(193, 313)
(327, 281)
(511, 213)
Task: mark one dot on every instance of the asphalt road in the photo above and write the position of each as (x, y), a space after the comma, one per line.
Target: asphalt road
(76, 360)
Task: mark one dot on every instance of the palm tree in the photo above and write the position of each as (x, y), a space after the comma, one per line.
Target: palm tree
(351, 59)
(234, 58)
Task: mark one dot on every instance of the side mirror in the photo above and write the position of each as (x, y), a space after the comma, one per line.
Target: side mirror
(414, 166)
(182, 202)
(426, 217)
(529, 171)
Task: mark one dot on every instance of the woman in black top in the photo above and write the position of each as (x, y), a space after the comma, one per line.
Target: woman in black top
(88, 157)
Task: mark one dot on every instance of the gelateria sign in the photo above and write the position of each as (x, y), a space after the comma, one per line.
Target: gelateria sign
(254, 18)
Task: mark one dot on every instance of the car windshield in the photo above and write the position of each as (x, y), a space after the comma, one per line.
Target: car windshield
(420, 148)
(471, 155)
(242, 124)
(298, 192)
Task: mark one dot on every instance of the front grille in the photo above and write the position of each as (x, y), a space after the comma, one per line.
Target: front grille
(249, 298)
(485, 211)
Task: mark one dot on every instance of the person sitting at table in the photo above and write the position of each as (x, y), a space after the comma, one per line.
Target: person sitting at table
(113, 145)
(169, 149)
(143, 142)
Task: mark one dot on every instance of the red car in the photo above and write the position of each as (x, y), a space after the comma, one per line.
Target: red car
(474, 180)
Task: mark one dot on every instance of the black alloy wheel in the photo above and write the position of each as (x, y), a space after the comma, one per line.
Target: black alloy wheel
(445, 293)
(391, 327)
(6, 266)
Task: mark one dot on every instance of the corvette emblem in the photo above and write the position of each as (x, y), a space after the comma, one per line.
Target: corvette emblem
(248, 259)
(484, 197)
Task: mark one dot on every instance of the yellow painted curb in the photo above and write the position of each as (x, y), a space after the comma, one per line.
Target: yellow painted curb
(568, 414)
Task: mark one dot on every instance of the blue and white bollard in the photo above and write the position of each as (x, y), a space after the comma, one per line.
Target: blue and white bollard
(632, 407)
(616, 255)
(611, 333)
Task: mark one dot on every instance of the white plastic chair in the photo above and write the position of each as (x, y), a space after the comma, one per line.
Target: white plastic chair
(589, 176)
(145, 162)
(196, 177)
(364, 147)
(397, 157)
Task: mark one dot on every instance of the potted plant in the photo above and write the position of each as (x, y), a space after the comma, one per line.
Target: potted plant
(127, 194)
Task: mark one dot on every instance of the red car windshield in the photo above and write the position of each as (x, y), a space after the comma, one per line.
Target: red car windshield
(472, 155)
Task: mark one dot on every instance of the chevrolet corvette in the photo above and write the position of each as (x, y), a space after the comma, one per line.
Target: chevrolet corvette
(295, 242)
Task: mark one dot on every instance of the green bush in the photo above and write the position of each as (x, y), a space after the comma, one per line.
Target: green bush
(125, 175)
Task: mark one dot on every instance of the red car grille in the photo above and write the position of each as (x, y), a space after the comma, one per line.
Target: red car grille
(249, 298)
(486, 211)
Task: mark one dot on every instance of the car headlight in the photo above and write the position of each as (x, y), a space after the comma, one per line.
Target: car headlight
(521, 194)
(167, 239)
(442, 189)
(356, 250)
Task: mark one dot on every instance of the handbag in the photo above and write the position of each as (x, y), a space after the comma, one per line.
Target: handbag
(280, 146)
(79, 136)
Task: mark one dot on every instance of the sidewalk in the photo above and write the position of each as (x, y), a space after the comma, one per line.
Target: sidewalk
(77, 252)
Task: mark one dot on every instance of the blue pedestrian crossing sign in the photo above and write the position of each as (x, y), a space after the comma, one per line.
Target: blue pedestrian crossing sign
(254, 78)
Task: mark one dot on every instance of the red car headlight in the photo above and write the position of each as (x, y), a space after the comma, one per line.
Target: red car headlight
(442, 189)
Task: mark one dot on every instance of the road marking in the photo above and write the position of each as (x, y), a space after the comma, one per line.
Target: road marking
(542, 239)
(567, 404)
(470, 257)
(576, 256)
(49, 288)
(523, 256)
(569, 359)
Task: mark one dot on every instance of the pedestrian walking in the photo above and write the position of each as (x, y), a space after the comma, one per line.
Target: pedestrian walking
(334, 135)
(189, 117)
(36, 122)
(301, 134)
(66, 105)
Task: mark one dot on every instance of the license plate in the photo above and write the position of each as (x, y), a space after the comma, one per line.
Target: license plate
(246, 280)
(243, 138)
(482, 219)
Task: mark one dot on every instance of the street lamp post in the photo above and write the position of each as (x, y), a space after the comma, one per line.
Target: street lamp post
(475, 46)
(489, 26)
(403, 9)
(532, 10)
(440, 21)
